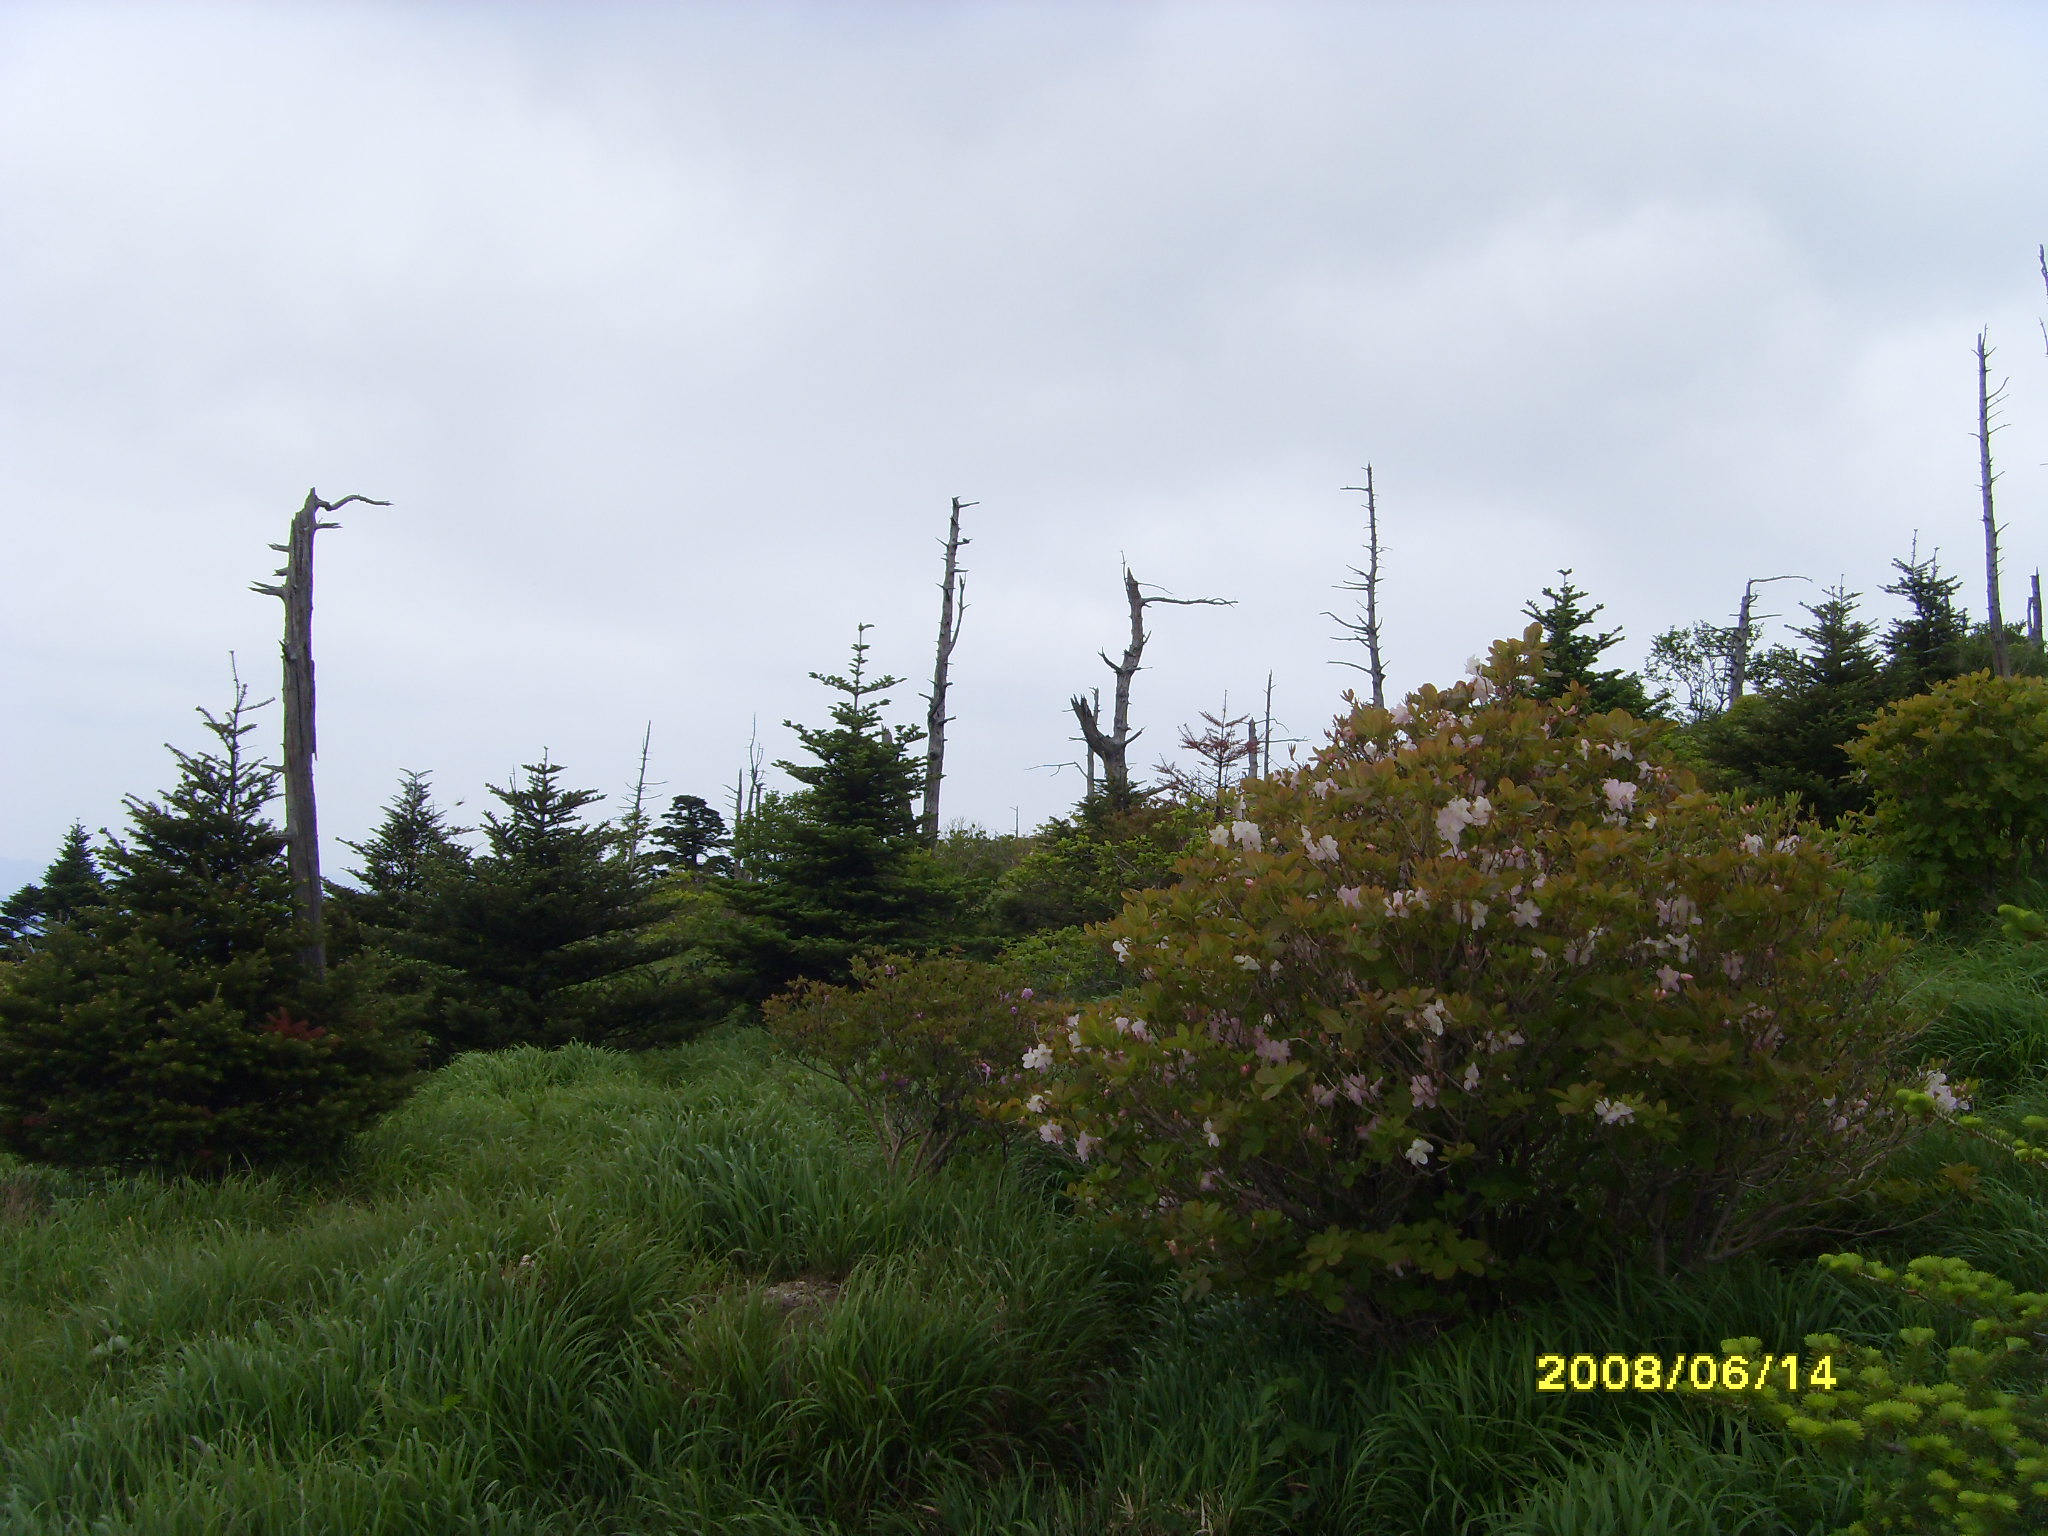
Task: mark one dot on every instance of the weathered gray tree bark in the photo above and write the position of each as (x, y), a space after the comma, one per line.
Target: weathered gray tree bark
(952, 609)
(301, 818)
(1112, 747)
(1366, 628)
(1987, 401)
(1744, 634)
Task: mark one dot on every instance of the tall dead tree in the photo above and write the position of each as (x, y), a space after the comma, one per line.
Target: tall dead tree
(2034, 613)
(1742, 638)
(1366, 627)
(1112, 747)
(301, 819)
(952, 608)
(1987, 404)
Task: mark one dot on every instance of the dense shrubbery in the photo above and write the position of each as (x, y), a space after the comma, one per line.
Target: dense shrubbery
(1951, 1439)
(918, 1041)
(174, 1025)
(1959, 780)
(1482, 993)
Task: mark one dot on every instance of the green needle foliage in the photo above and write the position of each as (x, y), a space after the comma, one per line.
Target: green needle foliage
(840, 870)
(173, 1025)
(549, 935)
(70, 886)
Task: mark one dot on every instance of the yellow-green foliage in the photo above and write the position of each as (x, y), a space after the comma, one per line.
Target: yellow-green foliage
(1951, 1439)
(918, 1041)
(1959, 781)
(1484, 994)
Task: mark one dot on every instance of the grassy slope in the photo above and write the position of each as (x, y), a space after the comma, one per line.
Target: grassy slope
(540, 1302)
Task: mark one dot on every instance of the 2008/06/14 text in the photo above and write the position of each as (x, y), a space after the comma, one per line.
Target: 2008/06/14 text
(1682, 1373)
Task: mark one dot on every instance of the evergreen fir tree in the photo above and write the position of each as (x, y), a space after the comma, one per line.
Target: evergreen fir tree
(172, 1023)
(546, 936)
(1788, 737)
(848, 873)
(688, 836)
(1926, 646)
(1572, 648)
(410, 855)
(69, 887)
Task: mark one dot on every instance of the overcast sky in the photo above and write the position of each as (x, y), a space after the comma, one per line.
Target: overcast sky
(669, 330)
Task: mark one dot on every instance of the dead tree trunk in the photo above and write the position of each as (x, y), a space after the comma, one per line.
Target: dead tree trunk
(2034, 613)
(1743, 637)
(952, 608)
(1113, 746)
(1366, 627)
(301, 819)
(1987, 401)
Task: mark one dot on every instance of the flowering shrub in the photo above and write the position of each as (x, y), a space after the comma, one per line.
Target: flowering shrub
(1944, 1439)
(1481, 995)
(1959, 781)
(917, 1041)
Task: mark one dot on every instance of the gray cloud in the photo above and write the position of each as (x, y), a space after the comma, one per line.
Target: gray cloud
(670, 330)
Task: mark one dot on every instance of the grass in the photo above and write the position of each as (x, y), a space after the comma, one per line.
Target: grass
(576, 1291)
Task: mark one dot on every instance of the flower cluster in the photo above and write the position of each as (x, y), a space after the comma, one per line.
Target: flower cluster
(1482, 980)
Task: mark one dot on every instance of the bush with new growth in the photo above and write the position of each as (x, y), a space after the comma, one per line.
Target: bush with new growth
(174, 1025)
(1958, 777)
(918, 1041)
(1482, 996)
(1948, 1438)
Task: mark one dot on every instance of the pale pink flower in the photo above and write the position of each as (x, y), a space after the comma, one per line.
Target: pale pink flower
(1422, 1091)
(1209, 1131)
(1348, 894)
(1084, 1144)
(1526, 914)
(1053, 1132)
(1613, 1112)
(1248, 835)
(1418, 1152)
(1621, 794)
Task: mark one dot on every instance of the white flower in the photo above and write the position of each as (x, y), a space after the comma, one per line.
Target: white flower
(1358, 1090)
(1473, 666)
(1668, 978)
(1731, 967)
(1678, 912)
(1398, 713)
(1321, 849)
(1461, 813)
(1035, 1105)
(1122, 950)
(1618, 749)
(1475, 914)
(1541, 955)
(1621, 794)
(1526, 914)
(1418, 1152)
(1788, 844)
(1324, 788)
(1471, 1077)
(1207, 1181)
(1220, 835)
(1401, 903)
(1348, 894)
(1053, 1132)
(1248, 836)
(1753, 844)
(1085, 1144)
(1272, 1051)
(1038, 1058)
(1209, 1130)
(1613, 1112)
(1422, 1091)
(1138, 1030)
(1246, 961)
(1946, 1100)
(1434, 1016)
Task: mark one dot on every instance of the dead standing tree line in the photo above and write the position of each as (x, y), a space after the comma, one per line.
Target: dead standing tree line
(1987, 404)
(1366, 628)
(952, 609)
(1112, 747)
(301, 819)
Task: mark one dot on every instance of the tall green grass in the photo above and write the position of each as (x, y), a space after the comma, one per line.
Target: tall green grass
(579, 1291)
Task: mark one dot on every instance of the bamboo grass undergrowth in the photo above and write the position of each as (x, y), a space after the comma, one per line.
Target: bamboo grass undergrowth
(583, 1291)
